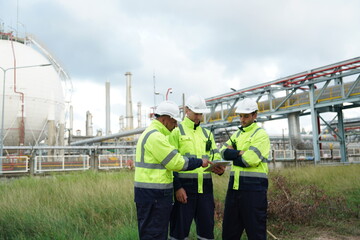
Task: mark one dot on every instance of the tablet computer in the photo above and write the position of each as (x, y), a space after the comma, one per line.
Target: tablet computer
(217, 163)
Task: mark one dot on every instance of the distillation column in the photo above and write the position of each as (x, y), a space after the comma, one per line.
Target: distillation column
(89, 128)
(139, 114)
(129, 113)
(107, 108)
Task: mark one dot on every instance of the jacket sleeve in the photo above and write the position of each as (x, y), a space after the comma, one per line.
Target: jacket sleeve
(226, 144)
(165, 153)
(233, 155)
(258, 150)
(192, 163)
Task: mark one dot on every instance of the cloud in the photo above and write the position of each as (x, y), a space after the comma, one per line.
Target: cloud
(204, 47)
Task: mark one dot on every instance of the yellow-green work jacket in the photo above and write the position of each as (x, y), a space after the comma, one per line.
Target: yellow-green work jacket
(191, 142)
(252, 172)
(156, 159)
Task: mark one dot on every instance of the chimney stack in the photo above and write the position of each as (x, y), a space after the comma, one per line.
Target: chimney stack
(129, 113)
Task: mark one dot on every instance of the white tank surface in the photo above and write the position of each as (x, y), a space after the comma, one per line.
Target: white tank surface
(35, 86)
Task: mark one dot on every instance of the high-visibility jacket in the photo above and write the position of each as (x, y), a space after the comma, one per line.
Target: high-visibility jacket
(191, 142)
(255, 143)
(156, 159)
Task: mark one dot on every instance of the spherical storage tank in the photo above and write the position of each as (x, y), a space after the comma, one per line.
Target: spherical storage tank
(33, 94)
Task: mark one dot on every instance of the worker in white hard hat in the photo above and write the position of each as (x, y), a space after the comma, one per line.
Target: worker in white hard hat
(246, 198)
(194, 198)
(156, 159)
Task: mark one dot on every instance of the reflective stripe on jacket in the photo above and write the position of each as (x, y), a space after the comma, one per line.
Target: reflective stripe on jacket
(192, 143)
(255, 143)
(156, 158)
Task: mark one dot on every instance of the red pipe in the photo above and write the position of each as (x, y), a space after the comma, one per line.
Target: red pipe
(22, 122)
(324, 74)
(295, 77)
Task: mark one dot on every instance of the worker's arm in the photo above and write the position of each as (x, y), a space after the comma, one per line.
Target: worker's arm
(236, 157)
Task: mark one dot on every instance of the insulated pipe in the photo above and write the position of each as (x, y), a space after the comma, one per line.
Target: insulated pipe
(294, 130)
(71, 116)
(139, 114)
(121, 123)
(111, 136)
(129, 113)
(89, 129)
(107, 107)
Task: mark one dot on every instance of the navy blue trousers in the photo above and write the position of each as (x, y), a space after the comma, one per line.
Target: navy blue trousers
(245, 210)
(153, 220)
(199, 207)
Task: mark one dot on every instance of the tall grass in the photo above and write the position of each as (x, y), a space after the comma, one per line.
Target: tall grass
(86, 205)
(99, 205)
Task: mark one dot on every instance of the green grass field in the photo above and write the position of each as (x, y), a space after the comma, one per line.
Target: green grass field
(303, 203)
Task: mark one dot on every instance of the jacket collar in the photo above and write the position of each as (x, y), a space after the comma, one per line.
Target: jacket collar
(160, 127)
(188, 123)
(250, 127)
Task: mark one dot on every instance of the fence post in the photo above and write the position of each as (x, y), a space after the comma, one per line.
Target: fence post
(32, 163)
(273, 158)
(94, 163)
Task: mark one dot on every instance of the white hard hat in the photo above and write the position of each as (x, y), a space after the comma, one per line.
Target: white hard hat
(168, 108)
(197, 104)
(246, 105)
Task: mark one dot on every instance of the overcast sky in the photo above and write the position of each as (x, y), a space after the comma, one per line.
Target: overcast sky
(200, 47)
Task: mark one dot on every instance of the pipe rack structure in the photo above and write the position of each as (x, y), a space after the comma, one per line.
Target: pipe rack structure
(331, 88)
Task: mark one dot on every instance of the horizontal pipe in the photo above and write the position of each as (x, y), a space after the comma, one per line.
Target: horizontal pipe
(66, 147)
(111, 136)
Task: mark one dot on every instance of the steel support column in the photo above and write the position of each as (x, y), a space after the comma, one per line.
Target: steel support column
(314, 123)
(341, 134)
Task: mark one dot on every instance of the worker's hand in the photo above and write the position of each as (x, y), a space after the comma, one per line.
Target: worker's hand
(181, 195)
(219, 170)
(205, 162)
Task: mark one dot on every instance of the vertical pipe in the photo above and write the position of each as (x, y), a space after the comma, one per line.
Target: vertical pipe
(89, 129)
(139, 114)
(294, 130)
(51, 138)
(22, 97)
(107, 108)
(342, 135)
(314, 117)
(129, 114)
(71, 121)
(61, 130)
(121, 123)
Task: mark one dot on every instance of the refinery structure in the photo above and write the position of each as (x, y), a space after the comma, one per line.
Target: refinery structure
(37, 118)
